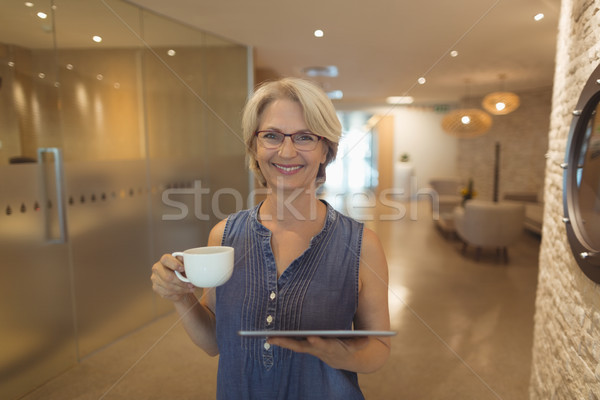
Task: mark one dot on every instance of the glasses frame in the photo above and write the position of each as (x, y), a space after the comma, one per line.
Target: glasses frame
(291, 136)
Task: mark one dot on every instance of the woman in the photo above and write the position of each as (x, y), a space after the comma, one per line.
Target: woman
(299, 264)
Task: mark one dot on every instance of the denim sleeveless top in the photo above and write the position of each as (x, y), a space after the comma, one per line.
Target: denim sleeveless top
(318, 290)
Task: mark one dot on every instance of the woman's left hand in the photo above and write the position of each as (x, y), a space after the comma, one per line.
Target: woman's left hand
(335, 352)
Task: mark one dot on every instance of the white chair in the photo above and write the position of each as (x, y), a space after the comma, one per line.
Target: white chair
(486, 224)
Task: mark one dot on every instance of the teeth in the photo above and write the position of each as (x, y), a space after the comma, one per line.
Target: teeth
(287, 169)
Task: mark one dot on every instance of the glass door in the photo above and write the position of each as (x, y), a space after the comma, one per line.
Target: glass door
(36, 307)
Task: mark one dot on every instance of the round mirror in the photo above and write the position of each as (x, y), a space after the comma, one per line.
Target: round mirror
(581, 180)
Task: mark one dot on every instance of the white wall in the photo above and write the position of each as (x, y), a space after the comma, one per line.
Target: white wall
(433, 153)
(418, 132)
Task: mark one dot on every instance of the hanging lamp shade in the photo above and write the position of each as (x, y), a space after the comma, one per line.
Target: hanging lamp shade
(501, 103)
(467, 122)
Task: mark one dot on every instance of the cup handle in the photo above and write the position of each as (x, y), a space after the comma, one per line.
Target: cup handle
(177, 273)
(181, 277)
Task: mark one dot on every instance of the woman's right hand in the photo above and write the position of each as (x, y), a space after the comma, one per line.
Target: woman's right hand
(166, 283)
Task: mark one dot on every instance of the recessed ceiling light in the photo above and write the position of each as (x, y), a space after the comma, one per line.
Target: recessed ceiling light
(28, 4)
(453, 53)
(97, 38)
(330, 71)
(400, 100)
(539, 17)
(318, 33)
(335, 94)
(171, 52)
(42, 15)
(422, 80)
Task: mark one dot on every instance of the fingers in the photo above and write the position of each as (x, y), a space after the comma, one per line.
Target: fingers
(320, 347)
(171, 263)
(164, 281)
(299, 346)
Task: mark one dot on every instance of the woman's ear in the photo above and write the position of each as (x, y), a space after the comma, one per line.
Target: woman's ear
(324, 155)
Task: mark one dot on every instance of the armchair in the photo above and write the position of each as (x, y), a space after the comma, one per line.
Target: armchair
(489, 224)
(448, 193)
(445, 197)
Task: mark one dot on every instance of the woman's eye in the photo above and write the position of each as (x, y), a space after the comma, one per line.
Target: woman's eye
(270, 135)
(307, 137)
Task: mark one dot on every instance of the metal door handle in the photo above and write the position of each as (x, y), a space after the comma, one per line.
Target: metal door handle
(60, 206)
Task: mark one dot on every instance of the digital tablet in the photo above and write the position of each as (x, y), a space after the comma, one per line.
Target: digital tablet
(321, 333)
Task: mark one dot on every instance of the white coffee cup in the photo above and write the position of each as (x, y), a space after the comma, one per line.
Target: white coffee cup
(206, 267)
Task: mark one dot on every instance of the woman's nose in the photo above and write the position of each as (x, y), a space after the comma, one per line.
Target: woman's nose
(287, 148)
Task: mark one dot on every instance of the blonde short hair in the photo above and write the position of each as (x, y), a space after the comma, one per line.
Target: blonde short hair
(319, 115)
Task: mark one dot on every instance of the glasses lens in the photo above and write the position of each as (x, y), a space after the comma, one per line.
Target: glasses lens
(305, 141)
(270, 139)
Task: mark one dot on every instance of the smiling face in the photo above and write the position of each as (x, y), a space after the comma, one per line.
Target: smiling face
(286, 168)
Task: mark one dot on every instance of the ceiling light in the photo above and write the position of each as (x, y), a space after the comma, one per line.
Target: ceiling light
(330, 71)
(28, 4)
(467, 123)
(501, 103)
(539, 17)
(400, 100)
(453, 53)
(171, 52)
(318, 33)
(422, 80)
(42, 15)
(335, 94)
(97, 38)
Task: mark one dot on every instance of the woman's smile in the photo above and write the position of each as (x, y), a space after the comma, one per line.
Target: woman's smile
(287, 169)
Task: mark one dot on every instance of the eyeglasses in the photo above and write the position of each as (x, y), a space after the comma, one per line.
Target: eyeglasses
(303, 141)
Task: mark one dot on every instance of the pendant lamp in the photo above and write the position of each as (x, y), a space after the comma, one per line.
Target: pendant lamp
(501, 103)
(467, 122)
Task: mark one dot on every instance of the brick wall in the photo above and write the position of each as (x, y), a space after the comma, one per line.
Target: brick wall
(523, 139)
(566, 349)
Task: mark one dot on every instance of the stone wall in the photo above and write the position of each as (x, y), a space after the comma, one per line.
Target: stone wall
(523, 139)
(566, 350)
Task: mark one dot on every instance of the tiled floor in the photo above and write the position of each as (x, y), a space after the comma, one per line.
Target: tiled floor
(464, 329)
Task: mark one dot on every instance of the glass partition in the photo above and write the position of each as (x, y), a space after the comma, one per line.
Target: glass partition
(145, 125)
